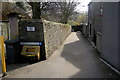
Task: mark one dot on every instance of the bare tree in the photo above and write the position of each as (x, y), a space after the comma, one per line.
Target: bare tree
(78, 17)
(60, 11)
(37, 8)
(53, 11)
(66, 9)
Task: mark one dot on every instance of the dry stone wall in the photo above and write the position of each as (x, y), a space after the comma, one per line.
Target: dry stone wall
(54, 35)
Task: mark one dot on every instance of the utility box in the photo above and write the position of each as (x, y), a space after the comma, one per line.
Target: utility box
(31, 34)
(31, 31)
(13, 50)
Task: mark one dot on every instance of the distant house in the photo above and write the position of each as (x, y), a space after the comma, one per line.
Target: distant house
(7, 9)
(103, 29)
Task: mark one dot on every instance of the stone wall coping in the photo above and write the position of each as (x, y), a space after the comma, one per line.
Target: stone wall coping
(55, 23)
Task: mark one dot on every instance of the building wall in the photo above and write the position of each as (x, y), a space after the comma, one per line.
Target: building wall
(54, 35)
(110, 33)
(95, 24)
(90, 21)
(106, 24)
(119, 36)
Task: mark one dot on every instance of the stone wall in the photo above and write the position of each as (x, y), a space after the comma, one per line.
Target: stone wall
(54, 35)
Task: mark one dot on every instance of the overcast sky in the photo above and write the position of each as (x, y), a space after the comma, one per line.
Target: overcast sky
(83, 6)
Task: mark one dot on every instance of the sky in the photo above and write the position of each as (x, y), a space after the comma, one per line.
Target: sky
(83, 5)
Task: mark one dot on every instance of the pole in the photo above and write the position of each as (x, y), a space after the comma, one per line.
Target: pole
(3, 55)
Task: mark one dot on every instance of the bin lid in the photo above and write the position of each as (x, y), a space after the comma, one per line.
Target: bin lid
(12, 41)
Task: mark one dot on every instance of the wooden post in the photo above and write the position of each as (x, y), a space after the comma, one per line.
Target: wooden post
(2, 54)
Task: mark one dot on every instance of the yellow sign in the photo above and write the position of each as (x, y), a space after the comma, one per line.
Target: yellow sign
(2, 51)
(31, 51)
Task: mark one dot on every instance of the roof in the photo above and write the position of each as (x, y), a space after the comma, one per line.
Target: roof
(6, 8)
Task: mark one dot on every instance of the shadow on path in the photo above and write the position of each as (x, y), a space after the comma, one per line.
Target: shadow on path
(23, 63)
(11, 67)
(83, 56)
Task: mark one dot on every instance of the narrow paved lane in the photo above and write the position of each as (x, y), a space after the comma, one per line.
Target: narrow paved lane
(75, 59)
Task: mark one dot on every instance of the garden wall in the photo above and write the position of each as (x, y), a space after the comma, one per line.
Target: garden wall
(54, 35)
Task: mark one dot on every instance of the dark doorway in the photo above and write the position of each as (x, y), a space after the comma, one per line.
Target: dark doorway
(94, 38)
